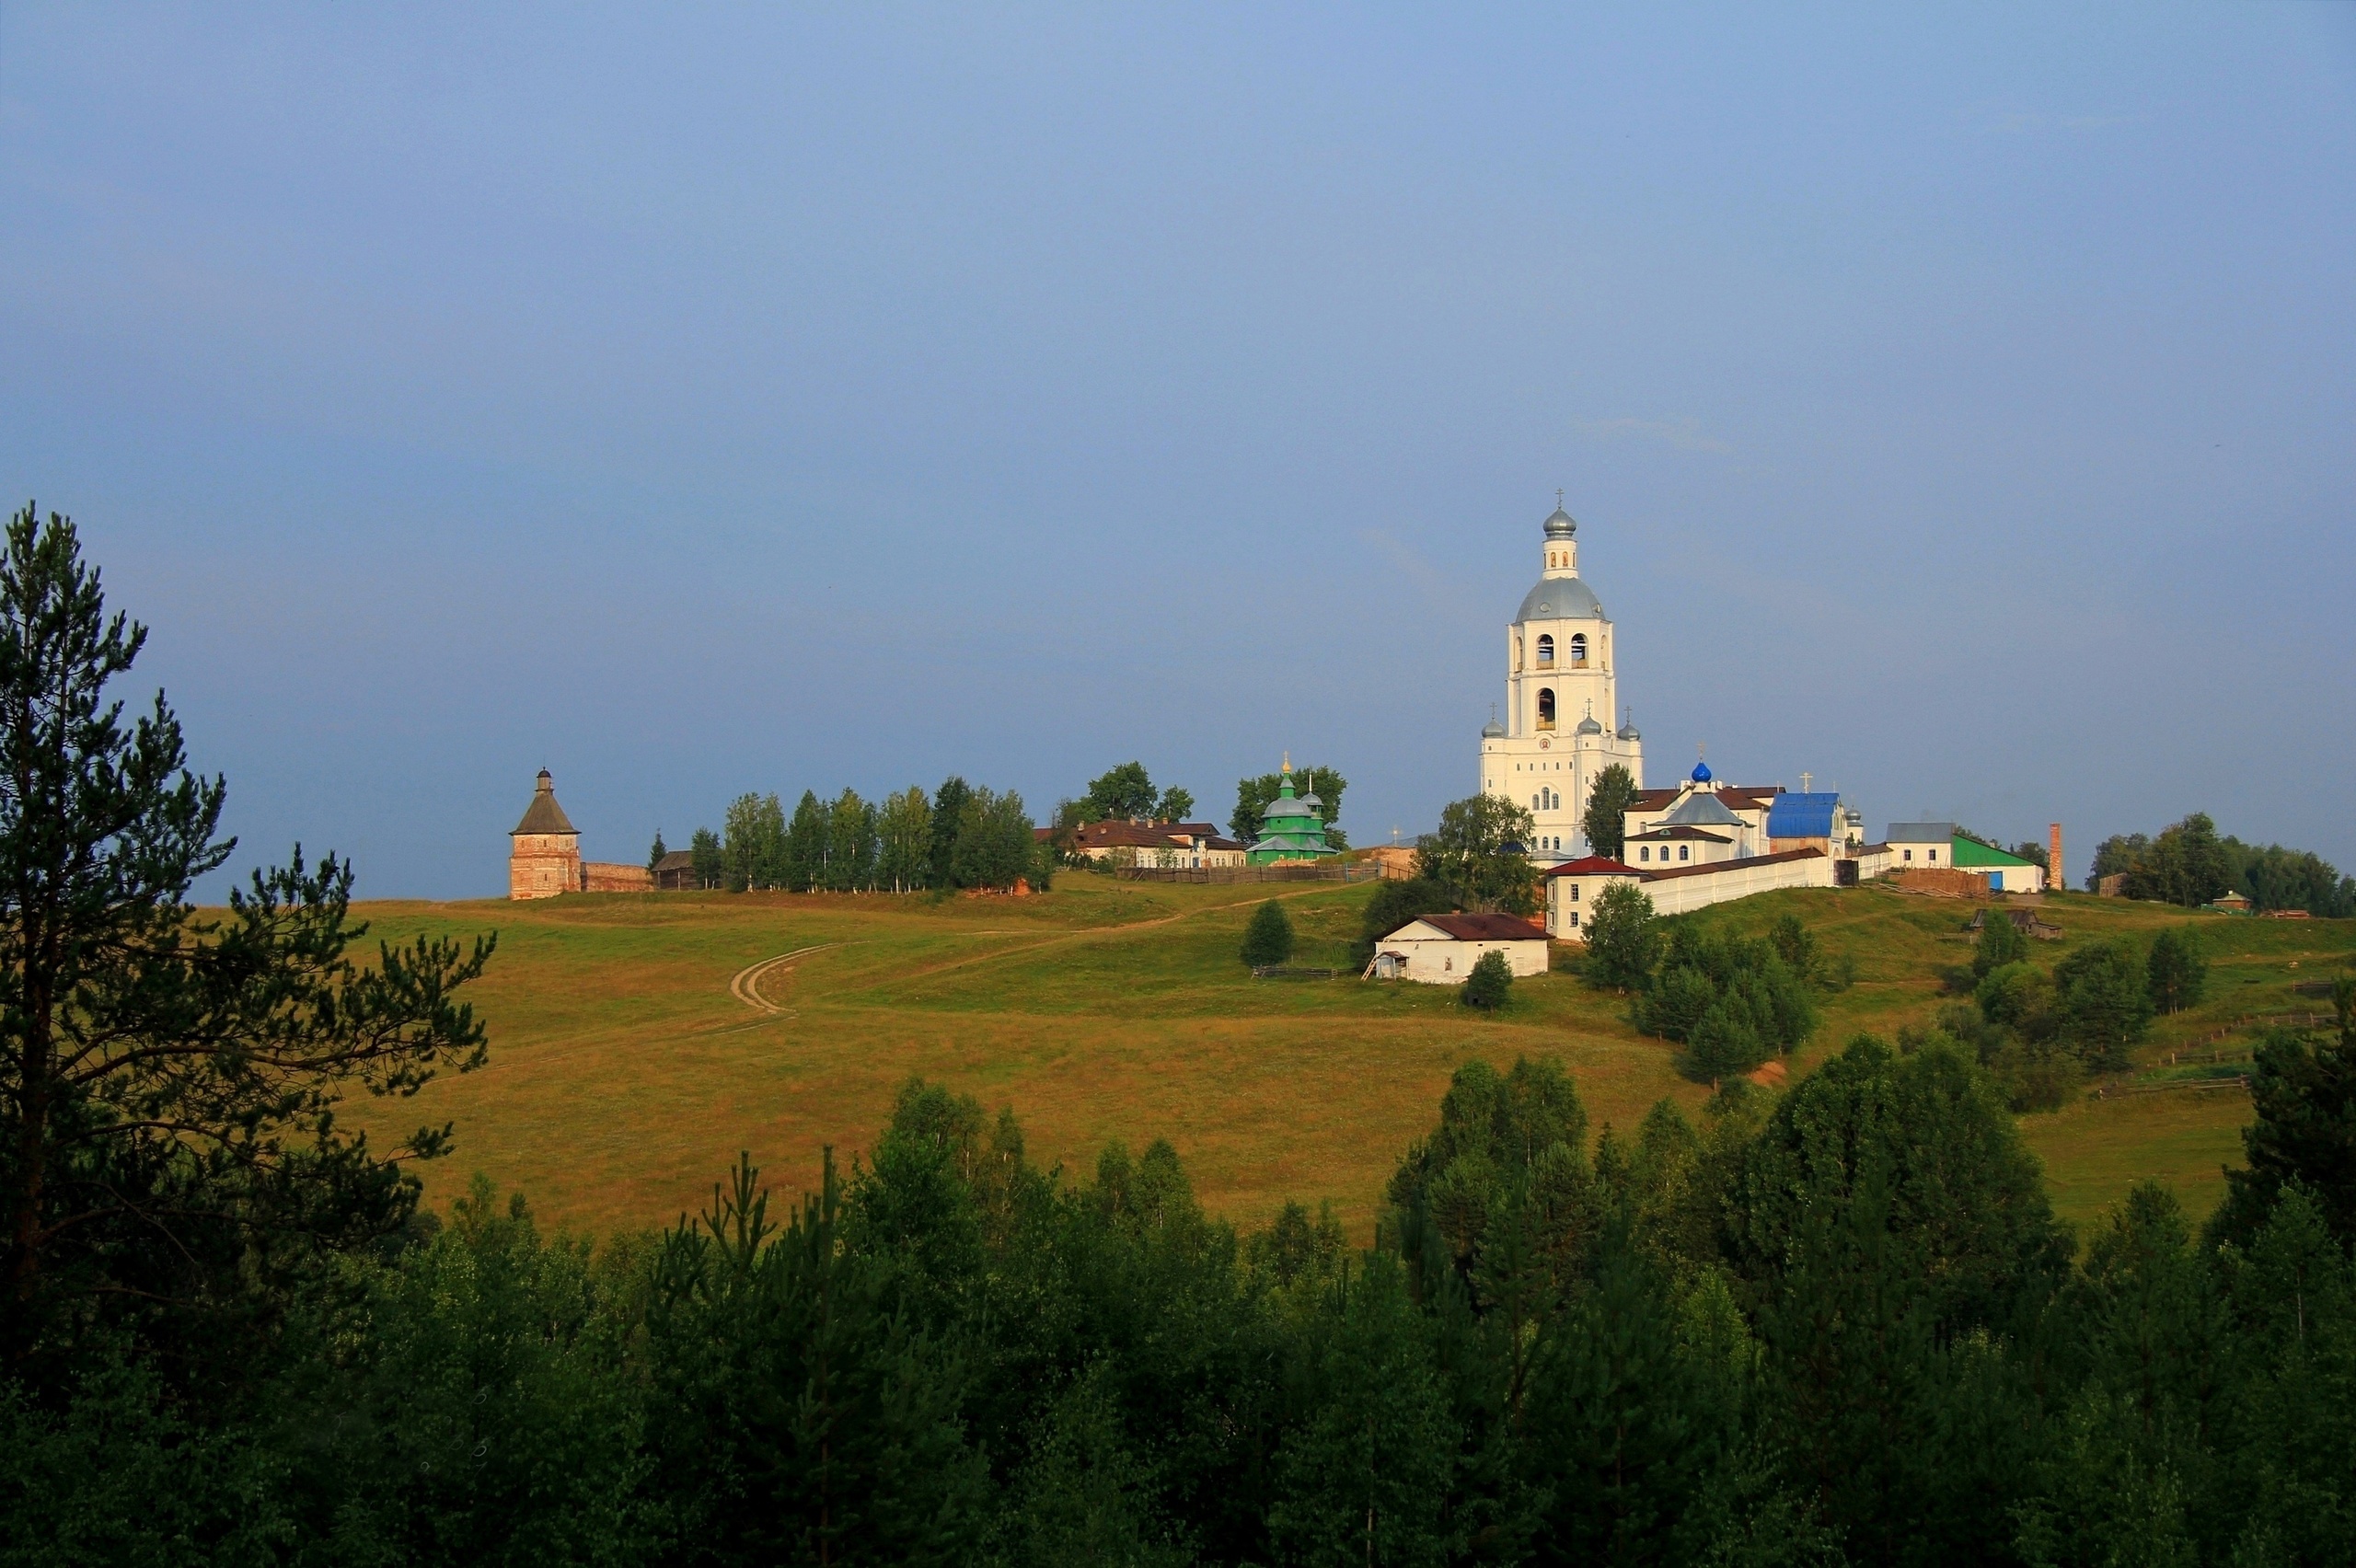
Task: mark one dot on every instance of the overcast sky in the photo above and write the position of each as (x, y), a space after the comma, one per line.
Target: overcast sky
(1962, 407)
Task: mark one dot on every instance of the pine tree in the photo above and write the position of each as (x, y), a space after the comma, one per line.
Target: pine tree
(708, 863)
(802, 864)
(655, 856)
(1268, 939)
(169, 1085)
(948, 819)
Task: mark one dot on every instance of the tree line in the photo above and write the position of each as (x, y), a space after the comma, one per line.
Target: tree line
(1126, 793)
(961, 836)
(2187, 863)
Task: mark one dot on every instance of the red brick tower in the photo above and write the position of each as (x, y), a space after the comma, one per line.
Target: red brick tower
(545, 857)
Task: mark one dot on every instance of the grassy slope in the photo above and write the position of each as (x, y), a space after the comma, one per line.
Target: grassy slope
(624, 1076)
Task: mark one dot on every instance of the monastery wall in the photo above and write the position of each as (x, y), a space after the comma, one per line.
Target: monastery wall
(605, 876)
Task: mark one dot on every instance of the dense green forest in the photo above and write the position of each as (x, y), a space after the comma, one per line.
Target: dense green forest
(1837, 1325)
(1840, 1327)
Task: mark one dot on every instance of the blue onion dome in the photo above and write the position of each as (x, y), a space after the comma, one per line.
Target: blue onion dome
(1493, 730)
(1701, 773)
(1587, 726)
(1561, 525)
(1628, 730)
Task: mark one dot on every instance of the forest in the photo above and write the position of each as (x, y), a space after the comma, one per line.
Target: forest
(1841, 1326)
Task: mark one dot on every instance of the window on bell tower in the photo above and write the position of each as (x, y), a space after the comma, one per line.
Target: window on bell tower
(1578, 649)
(1547, 707)
(1545, 649)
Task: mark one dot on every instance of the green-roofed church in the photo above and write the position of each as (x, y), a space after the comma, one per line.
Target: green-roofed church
(1292, 830)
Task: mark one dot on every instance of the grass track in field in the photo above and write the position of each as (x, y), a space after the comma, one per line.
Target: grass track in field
(625, 1076)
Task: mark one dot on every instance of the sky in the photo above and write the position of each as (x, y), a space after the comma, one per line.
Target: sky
(1957, 404)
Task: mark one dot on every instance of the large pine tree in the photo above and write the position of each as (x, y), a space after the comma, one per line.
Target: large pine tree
(169, 1078)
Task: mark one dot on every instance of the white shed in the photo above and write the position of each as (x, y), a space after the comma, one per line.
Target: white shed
(1440, 949)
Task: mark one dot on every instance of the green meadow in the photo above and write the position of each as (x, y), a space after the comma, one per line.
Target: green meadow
(630, 1062)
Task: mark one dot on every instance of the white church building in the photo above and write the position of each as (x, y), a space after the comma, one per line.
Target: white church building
(1560, 675)
(1697, 844)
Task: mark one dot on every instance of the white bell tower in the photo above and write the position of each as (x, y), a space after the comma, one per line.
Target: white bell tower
(1561, 675)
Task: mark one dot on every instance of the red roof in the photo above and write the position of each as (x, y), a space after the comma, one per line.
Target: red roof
(1484, 927)
(1593, 866)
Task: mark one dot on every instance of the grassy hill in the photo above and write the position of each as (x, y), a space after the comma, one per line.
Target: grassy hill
(626, 1070)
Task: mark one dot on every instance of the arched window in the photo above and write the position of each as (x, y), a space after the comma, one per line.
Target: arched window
(1579, 649)
(1545, 649)
(1545, 707)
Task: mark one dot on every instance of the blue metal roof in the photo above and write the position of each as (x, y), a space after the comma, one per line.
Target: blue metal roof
(1795, 815)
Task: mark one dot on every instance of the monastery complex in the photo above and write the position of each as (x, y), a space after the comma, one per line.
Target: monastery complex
(1697, 842)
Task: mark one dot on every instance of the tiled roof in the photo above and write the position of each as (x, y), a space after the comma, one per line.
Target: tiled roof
(1667, 832)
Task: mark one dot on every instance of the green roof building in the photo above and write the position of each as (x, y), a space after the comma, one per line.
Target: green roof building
(2005, 872)
(1290, 829)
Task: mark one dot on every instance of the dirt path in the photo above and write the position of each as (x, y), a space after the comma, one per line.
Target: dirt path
(746, 986)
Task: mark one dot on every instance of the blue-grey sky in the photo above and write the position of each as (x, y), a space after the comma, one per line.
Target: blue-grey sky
(1958, 405)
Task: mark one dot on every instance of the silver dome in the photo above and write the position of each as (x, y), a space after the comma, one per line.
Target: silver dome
(1560, 598)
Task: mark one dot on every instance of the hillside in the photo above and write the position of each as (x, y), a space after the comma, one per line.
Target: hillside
(628, 1064)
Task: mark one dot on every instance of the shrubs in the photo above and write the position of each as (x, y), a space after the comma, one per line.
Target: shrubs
(1733, 1003)
(2038, 1034)
(1489, 983)
(1268, 939)
(2001, 942)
